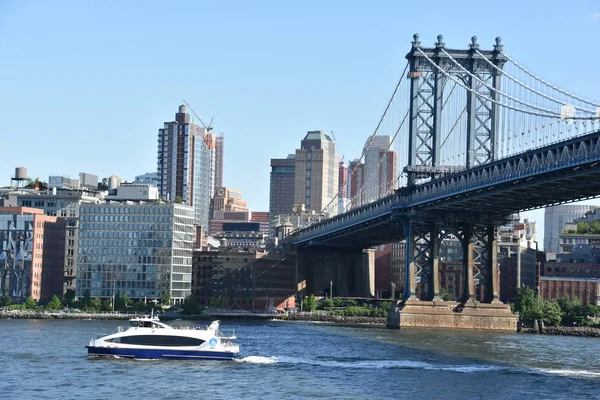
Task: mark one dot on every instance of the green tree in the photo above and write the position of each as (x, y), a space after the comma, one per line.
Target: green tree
(165, 299)
(551, 314)
(139, 306)
(310, 303)
(178, 199)
(69, 298)
(583, 228)
(55, 303)
(6, 300)
(190, 305)
(95, 304)
(106, 305)
(30, 303)
(526, 304)
(327, 303)
(87, 299)
(595, 227)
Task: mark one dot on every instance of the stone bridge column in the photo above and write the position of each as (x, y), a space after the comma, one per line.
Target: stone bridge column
(409, 263)
(435, 258)
(492, 267)
(468, 247)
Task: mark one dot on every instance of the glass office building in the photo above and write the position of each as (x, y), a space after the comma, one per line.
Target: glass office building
(138, 249)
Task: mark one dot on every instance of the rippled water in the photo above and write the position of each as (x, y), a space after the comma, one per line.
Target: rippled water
(287, 360)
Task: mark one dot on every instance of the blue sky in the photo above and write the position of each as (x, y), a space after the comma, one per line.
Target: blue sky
(85, 85)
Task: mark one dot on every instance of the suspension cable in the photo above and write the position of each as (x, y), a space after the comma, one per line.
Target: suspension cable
(495, 89)
(504, 73)
(479, 95)
(549, 84)
(370, 137)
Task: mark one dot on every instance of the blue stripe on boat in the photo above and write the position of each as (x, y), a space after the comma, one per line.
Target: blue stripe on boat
(158, 353)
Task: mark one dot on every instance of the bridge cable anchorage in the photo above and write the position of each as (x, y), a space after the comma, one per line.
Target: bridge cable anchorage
(501, 93)
(361, 191)
(368, 142)
(506, 74)
(481, 97)
(573, 96)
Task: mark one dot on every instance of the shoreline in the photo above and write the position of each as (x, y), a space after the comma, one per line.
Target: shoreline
(577, 331)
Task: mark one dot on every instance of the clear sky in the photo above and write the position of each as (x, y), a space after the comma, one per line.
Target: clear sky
(85, 85)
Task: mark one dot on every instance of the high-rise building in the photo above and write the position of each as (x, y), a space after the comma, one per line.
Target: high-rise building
(263, 218)
(219, 157)
(356, 179)
(281, 190)
(184, 165)
(380, 167)
(139, 249)
(317, 173)
(555, 219)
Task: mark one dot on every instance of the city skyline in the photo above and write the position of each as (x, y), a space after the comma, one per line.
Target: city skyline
(115, 100)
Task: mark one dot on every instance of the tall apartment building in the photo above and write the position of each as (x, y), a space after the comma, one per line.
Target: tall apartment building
(138, 249)
(356, 179)
(317, 173)
(380, 167)
(555, 219)
(219, 159)
(31, 249)
(281, 189)
(184, 165)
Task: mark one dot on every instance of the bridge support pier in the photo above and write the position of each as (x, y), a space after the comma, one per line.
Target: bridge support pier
(346, 274)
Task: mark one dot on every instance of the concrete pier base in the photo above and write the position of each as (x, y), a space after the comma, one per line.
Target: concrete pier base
(451, 315)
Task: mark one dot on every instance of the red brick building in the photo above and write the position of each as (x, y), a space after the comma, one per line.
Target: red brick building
(586, 289)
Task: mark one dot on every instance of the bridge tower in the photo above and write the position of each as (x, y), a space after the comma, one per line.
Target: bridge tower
(424, 232)
(426, 108)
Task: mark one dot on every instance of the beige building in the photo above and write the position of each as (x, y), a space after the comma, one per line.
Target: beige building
(317, 173)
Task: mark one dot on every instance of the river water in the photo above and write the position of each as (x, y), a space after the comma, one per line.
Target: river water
(46, 359)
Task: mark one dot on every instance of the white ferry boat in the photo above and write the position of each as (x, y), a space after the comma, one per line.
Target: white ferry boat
(149, 338)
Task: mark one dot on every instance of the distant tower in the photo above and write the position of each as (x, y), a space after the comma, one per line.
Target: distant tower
(219, 157)
(380, 167)
(317, 173)
(281, 196)
(184, 165)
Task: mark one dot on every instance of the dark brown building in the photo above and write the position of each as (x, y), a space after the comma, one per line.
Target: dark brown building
(281, 194)
(245, 280)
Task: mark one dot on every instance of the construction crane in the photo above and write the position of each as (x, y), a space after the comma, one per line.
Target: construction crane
(208, 127)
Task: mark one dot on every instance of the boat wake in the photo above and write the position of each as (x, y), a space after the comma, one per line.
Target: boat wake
(370, 364)
(572, 373)
(257, 360)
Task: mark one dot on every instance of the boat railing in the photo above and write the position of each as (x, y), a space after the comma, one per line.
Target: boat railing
(120, 329)
(225, 333)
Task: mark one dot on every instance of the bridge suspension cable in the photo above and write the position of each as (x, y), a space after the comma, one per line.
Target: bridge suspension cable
(490, 87)
(506, 74)
(381, 159)
(573, 96)
(546, 113)
(371, 138)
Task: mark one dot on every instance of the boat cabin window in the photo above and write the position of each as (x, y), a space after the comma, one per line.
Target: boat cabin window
(157, 340)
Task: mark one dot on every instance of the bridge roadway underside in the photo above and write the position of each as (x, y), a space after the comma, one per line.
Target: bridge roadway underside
(489, 204)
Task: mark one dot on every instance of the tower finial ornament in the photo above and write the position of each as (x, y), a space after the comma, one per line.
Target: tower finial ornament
(498, 46)
(416, 44)
(474, 45)
(440, 42)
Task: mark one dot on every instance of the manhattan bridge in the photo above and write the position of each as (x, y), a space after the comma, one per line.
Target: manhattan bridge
(479, 137)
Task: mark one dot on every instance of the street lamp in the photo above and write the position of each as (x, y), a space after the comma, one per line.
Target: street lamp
(331, 289)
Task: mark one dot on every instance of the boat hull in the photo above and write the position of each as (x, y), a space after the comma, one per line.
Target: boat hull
(170, 354)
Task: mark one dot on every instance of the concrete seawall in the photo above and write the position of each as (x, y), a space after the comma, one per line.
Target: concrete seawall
(30, 314)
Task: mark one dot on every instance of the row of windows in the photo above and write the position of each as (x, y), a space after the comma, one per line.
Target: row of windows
(117, 209)
(127, 218)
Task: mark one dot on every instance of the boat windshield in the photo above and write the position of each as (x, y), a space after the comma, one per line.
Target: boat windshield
(146, 324)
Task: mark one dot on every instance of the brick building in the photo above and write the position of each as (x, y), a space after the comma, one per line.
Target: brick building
(245, 279)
